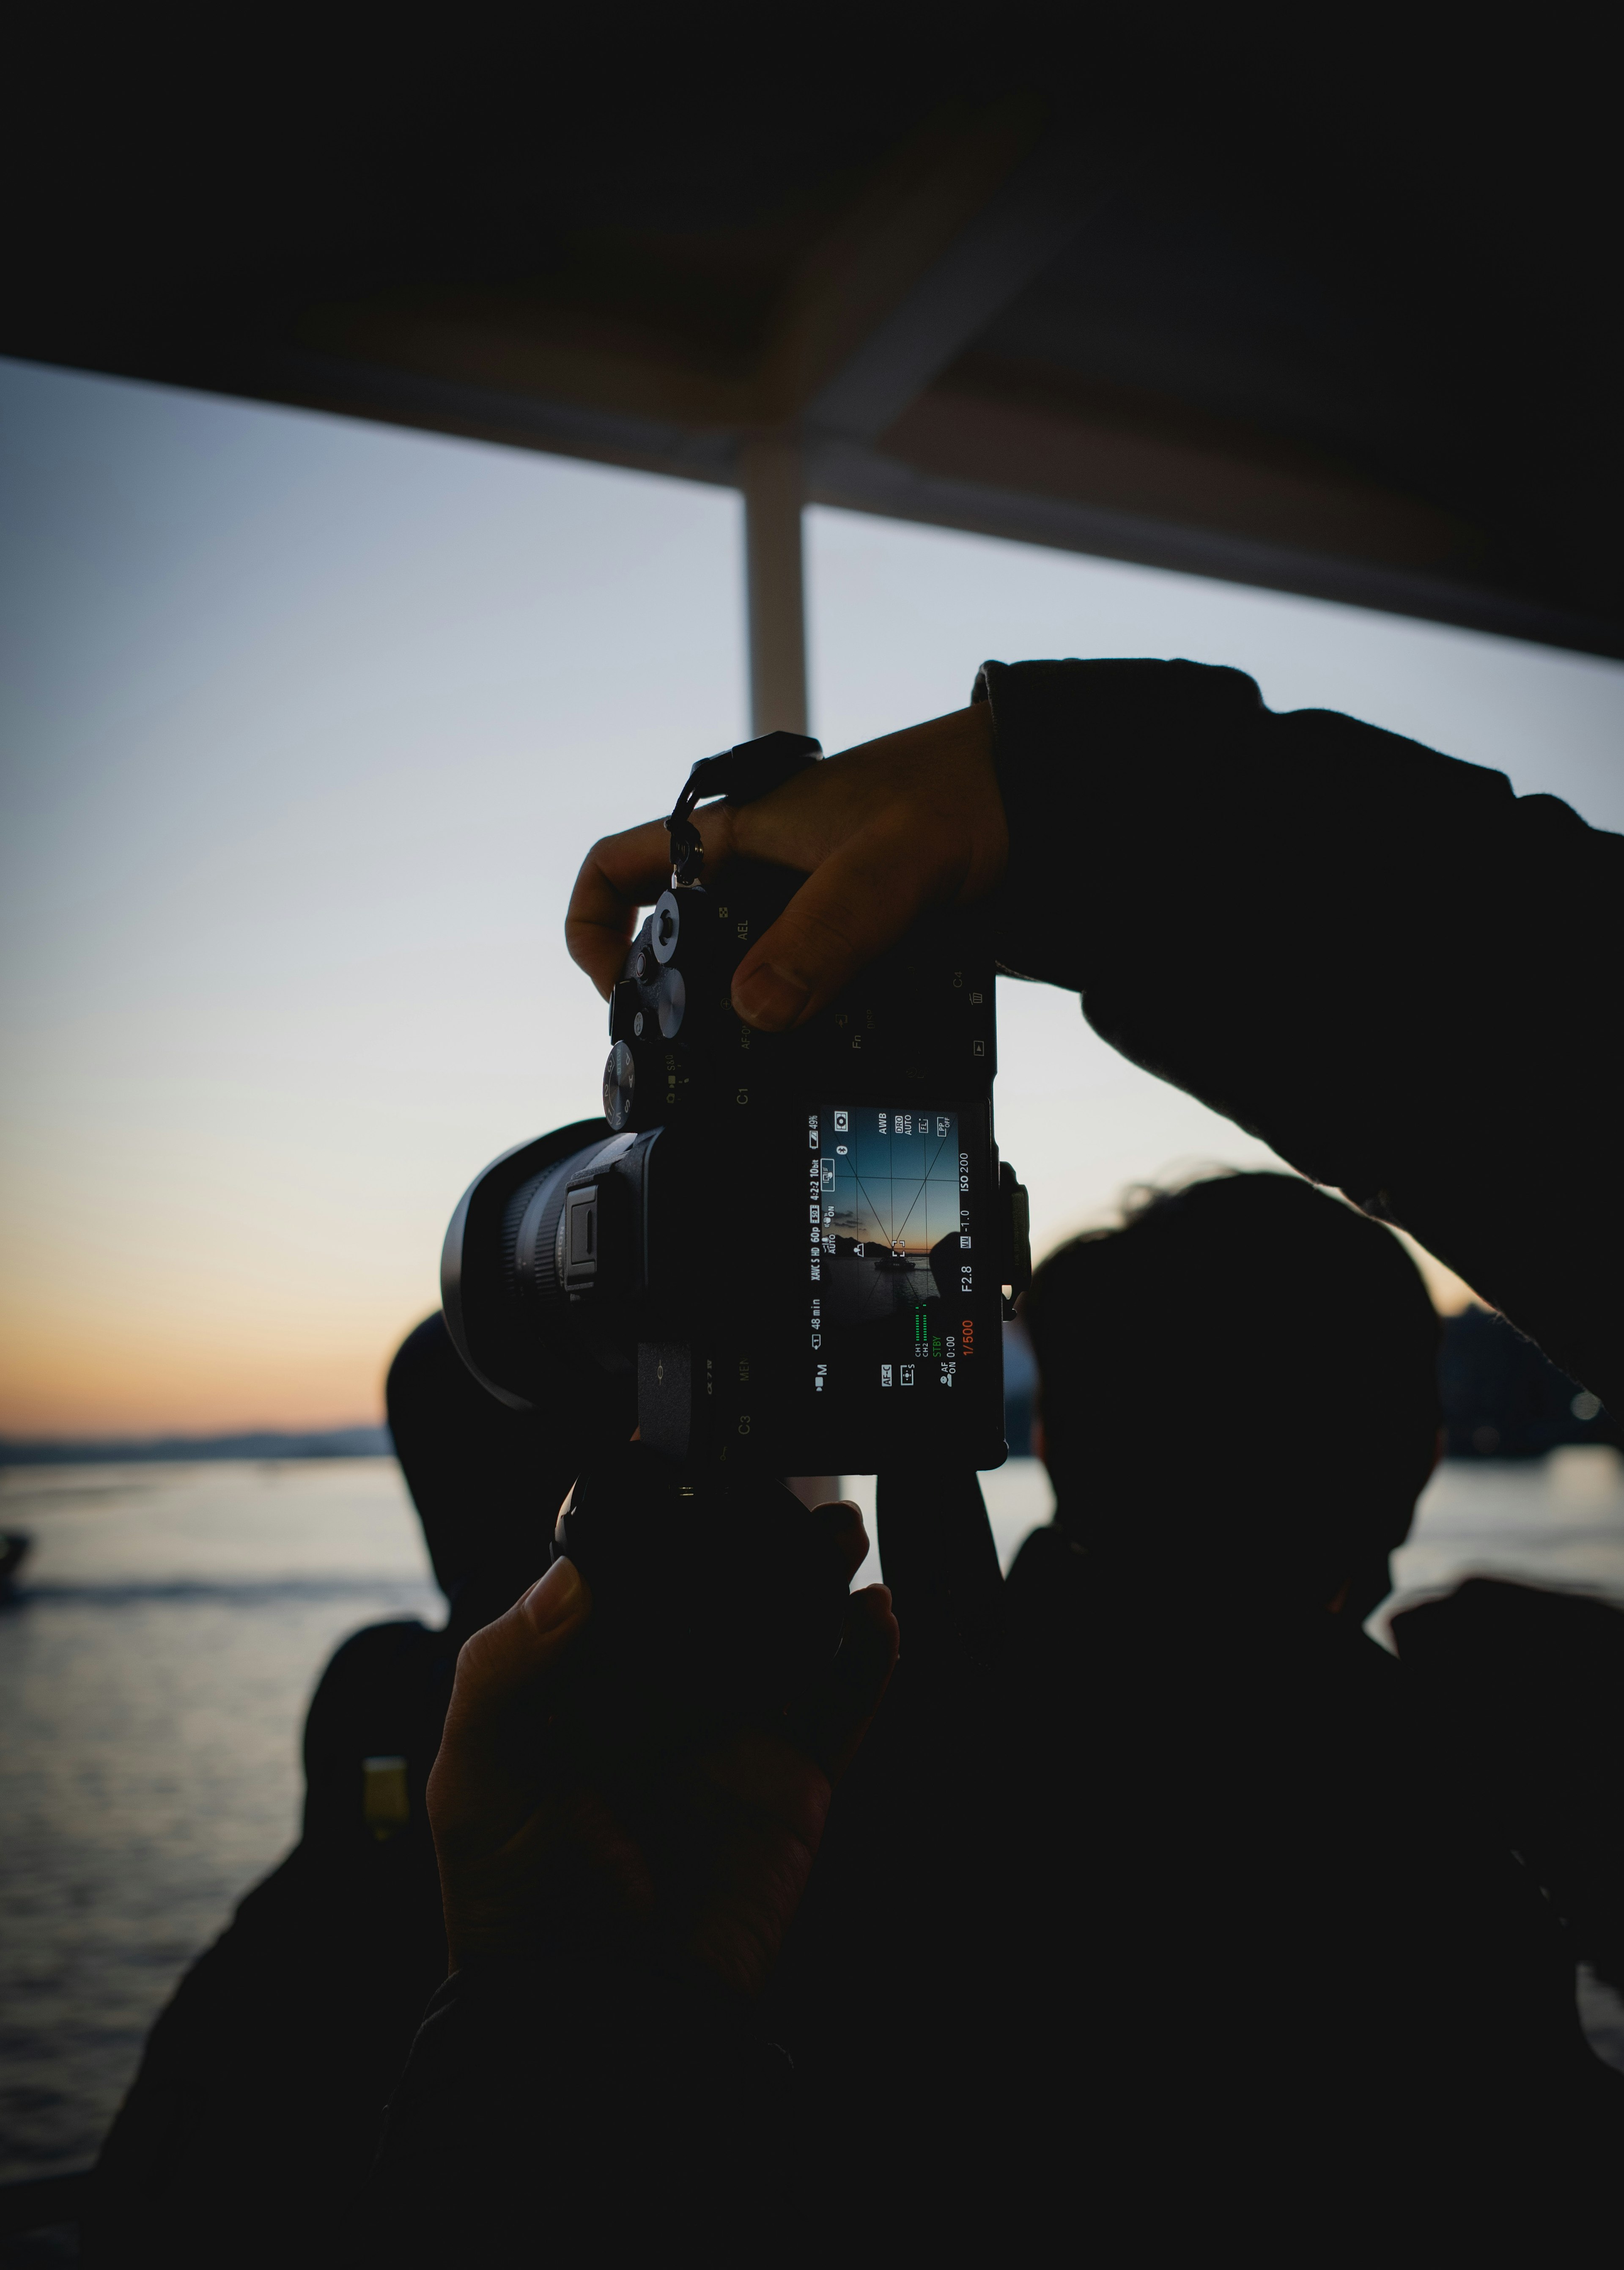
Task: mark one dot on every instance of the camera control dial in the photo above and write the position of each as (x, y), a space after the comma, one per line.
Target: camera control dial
(619, 1087)
(672, 996)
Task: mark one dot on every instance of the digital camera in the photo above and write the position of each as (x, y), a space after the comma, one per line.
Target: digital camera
(802, 1243)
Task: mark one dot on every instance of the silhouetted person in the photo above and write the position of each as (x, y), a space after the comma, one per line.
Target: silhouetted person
(1175, 1928)
(265, 2078)
(1275, 1888)
(1135, 1994)
(1231, 1934)
(1528, 1685)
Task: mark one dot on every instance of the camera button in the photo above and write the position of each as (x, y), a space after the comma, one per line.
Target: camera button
(670, 1000)
(665, 925)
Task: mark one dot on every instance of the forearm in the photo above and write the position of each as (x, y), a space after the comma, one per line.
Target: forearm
(1375, 956)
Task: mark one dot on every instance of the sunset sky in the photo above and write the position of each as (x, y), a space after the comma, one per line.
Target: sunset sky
(305, 728)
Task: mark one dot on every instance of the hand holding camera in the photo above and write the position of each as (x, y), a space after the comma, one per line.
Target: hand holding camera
(802, 1241)
(795, 1230)
(883, 833)
(639, 1774)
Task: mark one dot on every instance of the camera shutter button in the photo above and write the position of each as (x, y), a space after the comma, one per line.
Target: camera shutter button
(665, 926)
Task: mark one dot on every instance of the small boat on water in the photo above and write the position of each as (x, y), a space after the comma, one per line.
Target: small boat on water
(14, 1545)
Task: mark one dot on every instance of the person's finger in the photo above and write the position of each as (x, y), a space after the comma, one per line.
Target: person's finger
(619, 876)
(831, 1729)
(743, 1823)
(529, 1853)
(488, 1757)
(860, 901)
(842, 1520)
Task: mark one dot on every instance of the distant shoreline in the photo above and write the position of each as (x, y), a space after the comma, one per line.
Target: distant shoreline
(336, 1443)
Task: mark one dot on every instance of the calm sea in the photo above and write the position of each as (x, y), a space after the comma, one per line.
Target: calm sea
(153, 1676)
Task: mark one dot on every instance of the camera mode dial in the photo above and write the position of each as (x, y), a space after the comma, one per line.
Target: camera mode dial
(619, 1087)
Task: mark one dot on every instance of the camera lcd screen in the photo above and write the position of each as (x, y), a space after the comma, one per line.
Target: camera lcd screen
(892, 1251)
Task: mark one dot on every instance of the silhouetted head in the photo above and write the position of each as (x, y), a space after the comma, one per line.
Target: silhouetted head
(488, 1481)
(1238, 1389)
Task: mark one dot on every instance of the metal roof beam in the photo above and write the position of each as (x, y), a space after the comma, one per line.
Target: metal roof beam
(1028, 219)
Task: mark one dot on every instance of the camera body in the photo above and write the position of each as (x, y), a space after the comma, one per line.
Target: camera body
(801, 1241)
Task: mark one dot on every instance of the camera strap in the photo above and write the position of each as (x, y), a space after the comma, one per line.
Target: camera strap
(739, 775)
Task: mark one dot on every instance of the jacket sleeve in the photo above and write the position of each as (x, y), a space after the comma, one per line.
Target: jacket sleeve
(1379, 960)
(551, 2107)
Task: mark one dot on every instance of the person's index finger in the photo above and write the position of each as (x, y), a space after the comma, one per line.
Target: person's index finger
(507, 1659)
(618, 875)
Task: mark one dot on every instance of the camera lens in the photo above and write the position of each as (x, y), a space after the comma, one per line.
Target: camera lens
(620, 1085)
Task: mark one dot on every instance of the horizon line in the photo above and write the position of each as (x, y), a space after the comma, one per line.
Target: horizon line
(362, 1438)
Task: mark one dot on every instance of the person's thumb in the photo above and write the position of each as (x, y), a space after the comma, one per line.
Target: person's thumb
(831, 1725)
(860, 901)
(508, 1667)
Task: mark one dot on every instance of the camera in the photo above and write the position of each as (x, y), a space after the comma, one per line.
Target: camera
(802, 1243)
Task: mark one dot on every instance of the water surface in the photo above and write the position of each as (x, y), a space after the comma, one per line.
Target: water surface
(153, 1679)
(154, 1675)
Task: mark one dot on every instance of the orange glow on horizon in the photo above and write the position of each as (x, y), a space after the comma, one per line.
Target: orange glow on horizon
(71, 1376)
(84, 1383)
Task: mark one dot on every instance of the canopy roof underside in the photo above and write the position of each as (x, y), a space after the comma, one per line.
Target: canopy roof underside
(1330, 340)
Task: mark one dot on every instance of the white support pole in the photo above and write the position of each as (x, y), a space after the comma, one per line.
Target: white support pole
(769, 474)
(770, 477)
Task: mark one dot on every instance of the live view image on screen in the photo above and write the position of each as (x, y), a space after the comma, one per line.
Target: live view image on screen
(892, 1249)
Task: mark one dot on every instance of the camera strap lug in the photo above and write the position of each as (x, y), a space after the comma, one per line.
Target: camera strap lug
(740, 774)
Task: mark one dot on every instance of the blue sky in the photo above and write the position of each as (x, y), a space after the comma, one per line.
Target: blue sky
(304, 727)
